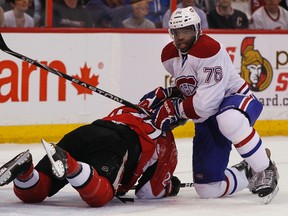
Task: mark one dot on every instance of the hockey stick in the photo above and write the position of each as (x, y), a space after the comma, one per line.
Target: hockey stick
(6, 49)
(182, 185)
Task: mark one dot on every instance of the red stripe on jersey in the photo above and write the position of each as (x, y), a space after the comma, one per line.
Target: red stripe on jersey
(205, 47)
(189, 108)
(242, 87)
(246, 140)
(227, 186)
(246, 101)
(169, 52)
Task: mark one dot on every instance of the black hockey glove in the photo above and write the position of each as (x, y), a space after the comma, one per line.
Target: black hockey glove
(176, 184)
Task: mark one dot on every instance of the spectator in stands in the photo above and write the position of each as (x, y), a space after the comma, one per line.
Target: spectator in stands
(138, 20)
(1, 17)
(17, 16)
(227, 17)
(270, 16)
(42, 20)
(157, 9)
(71, 13)
(183, 4)
(244, 6)
(34, 10)
(255, 4)
(110, 13)
(206, 5)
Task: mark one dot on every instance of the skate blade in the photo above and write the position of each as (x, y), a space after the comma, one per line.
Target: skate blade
(267, 199)
(58, 167)
(5, 170)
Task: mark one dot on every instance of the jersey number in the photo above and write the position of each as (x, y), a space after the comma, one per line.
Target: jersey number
(215, 73)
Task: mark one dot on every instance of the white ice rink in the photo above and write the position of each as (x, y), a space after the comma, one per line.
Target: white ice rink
(68, 203)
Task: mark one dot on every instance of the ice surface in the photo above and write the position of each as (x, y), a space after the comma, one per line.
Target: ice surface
(68, 203)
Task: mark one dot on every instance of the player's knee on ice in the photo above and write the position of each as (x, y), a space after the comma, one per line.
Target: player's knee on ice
(211, 190)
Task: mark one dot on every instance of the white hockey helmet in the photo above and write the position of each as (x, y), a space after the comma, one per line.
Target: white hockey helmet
(183, 17)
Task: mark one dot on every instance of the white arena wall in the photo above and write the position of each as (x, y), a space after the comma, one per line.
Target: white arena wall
(36, 104)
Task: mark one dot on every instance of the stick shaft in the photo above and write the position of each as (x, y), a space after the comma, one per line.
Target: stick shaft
(182, 185)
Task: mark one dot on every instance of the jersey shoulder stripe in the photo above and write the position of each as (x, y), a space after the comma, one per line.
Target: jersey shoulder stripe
(169, 52)
(205, 47)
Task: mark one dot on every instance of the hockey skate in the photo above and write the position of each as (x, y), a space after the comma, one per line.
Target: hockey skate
(243, 165)
(58, 159)
(264, 183)
(18, 165)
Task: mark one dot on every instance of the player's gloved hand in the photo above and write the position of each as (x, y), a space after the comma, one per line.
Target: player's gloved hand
(154, 98)
(176, 184)
(168, 116)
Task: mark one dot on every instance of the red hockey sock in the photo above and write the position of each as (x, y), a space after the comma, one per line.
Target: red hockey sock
(97, 191)
(36, 193)
(73, 166)
(26, 175)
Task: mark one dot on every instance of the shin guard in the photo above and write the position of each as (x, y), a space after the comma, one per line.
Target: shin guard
(35, 189)
(95, 190)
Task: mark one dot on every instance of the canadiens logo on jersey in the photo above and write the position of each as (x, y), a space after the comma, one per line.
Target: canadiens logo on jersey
(255, 69)
(187, 85)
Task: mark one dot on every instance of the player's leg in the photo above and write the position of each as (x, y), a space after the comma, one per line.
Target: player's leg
(29, 185)
(244, 137)
(33, 190)
(248, 143)
(103, 153)
(211, 151)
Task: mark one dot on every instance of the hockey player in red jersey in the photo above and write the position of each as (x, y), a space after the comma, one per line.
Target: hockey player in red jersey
(222, 107)
(101, 160)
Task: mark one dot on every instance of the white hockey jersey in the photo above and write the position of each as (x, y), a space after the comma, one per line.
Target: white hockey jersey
(204, 76)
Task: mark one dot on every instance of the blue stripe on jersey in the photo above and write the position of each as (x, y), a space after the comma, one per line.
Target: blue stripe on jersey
(247, 90)
(252, 110)
(253, 150)
(235, 180)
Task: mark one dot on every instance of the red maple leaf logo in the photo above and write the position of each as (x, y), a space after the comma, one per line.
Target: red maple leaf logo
(93, 80)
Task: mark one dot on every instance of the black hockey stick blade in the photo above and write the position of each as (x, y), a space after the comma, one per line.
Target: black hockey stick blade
(6, 49)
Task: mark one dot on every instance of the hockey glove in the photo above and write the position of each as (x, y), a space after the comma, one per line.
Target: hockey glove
(167, 116)
(176, 184)
(156, 97)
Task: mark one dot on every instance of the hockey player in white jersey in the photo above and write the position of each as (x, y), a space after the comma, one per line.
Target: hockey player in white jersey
(222, 107)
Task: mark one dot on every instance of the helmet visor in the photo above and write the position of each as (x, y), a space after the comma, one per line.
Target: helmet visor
(186, 31)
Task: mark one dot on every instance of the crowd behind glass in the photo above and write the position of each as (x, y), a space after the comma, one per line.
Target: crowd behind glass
(148, 14)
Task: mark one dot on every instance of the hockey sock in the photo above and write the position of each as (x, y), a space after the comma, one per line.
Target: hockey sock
(36, 189)
(73, 166)
(236, 181)
(95, 190)
(27, 174)
(252, 150)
